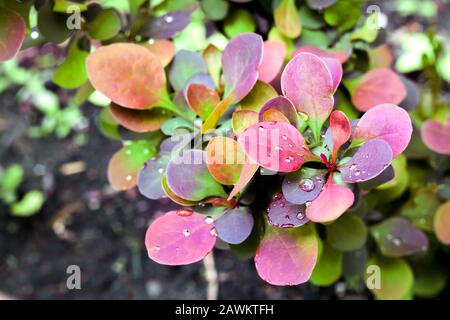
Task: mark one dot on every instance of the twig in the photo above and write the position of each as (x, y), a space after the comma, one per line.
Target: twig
(212, 291)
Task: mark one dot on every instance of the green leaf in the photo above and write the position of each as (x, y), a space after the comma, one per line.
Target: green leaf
(348, 233)
(72, 73)
(53, 25)
(63, 6)
(368, 32)
(429, 281)
(329, 267)
(215, 9)
(108, 125)
(343, 14)
(287, 18)
(420, 209)
(238, 22)
(29, 205)
(106, 25)
(413, 48)
(396, 278)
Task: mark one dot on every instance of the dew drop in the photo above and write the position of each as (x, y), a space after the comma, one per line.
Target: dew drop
(287, 160)
(184, 212)
(278, 148)
(282, 205)
(151, 41)
(300, 215)
(186, 233)
(153, 249)
(261, 129)
(306, 185)
(213, 232)
(128, 178)
(357, 173)
(290, 145)
(128, 152)
(209, 220)
(284, 137)
(308, 203)
(277, 196)
(160, 170)
(352, 167)
(168, 19)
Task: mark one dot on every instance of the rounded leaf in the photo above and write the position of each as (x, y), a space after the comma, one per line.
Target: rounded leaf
(436, 136)
(284, 214)
(179, 237)
(150, 176)
(126, 163)
(140, 120)
(371, 159)
(242, 119)
(378, 86)
(105, 25)
(12, 33)
(331, 203)
(235, 225)
(287, 257)
(185, 65)
(387, 122)
(128, 74)
(277, 146)
(303, 186)
(442, 223)
(397, 237)
(273, 58)
(307, 82)
(163, 49)
(348, 233)
(283, 105)
(241, 60)
(396, 277)
(188, 177)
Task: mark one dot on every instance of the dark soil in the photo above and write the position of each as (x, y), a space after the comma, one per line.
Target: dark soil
(85, 223)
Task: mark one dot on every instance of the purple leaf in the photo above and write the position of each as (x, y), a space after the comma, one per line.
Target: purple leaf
(241, 60)
(283, 105)
(235, 225)
(165, 26)
(188, 177)
(185, 65)
(283, 214)
(180, 237)
(387, 122)
(302, 186)
(385, 176)
(372, 158)
(397, 237)
(412, 99)
(149, 178)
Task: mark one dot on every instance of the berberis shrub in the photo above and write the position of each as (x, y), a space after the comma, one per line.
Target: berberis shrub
(287, 146)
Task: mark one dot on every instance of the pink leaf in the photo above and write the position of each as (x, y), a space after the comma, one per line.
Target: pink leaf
(287, 256)
(129, 74)
(273, 58)
(378, 86)
(336, 71)
(436, 136)
(12, 33)
(388, 122)
(277, 146)
(180, 237)
(331, 203)
(340, 130)
(241, 60)
(340, 55)
(307, 82)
